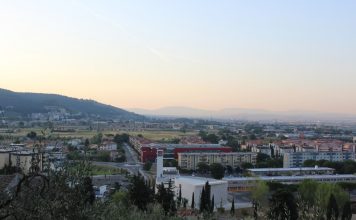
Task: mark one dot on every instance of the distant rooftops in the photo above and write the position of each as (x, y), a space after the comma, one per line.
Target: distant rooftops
(185, 145)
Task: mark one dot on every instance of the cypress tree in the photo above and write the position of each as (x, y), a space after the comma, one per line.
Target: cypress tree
(212, 205)
(232, 211)
(193, 203)
(202, 200)
(332, 212)
(179, 199)
(170, 198)
(207, 202)
(346, 212)
(185, 202)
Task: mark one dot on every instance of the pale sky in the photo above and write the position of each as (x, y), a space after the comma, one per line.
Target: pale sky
(266, 54)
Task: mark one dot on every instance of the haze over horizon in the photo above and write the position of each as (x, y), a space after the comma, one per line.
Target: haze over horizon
(274, 55)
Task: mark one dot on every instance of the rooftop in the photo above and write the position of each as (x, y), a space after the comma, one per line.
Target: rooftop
(281, 178)
(217, 153)
(199, 181)
(291, 169)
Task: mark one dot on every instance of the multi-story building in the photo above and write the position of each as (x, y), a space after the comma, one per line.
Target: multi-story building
(281, 150)
(300, 171)
(190, 161)
(263, 149)
(297, 159)
(148, 150)
(171, 151)
(236, 184)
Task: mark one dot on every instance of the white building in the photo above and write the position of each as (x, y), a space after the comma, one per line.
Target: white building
(190, 185)
(300, 171)
(101, 191)
(297, 159)
(237, 184)
(264, 149)
(190, 161)
(108, 146)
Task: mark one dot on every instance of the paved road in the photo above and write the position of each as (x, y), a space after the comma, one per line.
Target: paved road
(133, 169)
(131, 155)
(133, 165)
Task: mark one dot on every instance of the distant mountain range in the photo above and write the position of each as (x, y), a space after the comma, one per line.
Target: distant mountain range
(246, 114)
(24, 104)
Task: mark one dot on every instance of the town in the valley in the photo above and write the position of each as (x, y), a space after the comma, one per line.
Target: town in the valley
(243, 163)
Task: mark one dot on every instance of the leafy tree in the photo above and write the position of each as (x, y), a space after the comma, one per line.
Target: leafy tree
(121, 198)
(229, 169)
(60, 194)
(32, 135)
(103, 156)
(147, 166)
(309, 163)
(346, 212)
(86, 142)
(88, 190)
(308, 205)
(259, 197)
(217, 171)
(97, 139)
(212, 138)
(264, 161)
(307, 190)
(233, 143)
(203, 167)
(119, 139)
(332, 212)
(322, 197)
(185, 203)
(140, 194)
(246, 165)
(9, 169)
(283, 206)
(165, 197)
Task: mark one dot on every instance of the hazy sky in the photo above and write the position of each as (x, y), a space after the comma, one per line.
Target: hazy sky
(276, 55)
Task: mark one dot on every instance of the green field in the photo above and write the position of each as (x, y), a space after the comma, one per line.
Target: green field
(154, 135)
(105, 170)
(159, 135)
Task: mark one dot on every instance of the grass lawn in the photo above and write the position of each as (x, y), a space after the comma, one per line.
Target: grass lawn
(105, 170)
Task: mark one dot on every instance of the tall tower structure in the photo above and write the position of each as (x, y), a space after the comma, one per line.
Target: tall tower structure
(159, 173)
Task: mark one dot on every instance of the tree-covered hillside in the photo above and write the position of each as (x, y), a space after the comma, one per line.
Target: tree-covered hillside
(28, 103)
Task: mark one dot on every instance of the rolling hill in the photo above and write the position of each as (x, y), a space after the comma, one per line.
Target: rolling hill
(23, 103)
(246, 114)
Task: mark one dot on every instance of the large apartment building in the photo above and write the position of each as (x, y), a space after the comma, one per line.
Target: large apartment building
(148, 150)
(190, 161)
(296, 159)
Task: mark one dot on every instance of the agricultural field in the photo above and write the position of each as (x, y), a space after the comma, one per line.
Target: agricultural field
(162, 135)
(154, 135)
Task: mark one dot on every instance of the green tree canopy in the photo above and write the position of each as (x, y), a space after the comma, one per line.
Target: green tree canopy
(217, 171)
